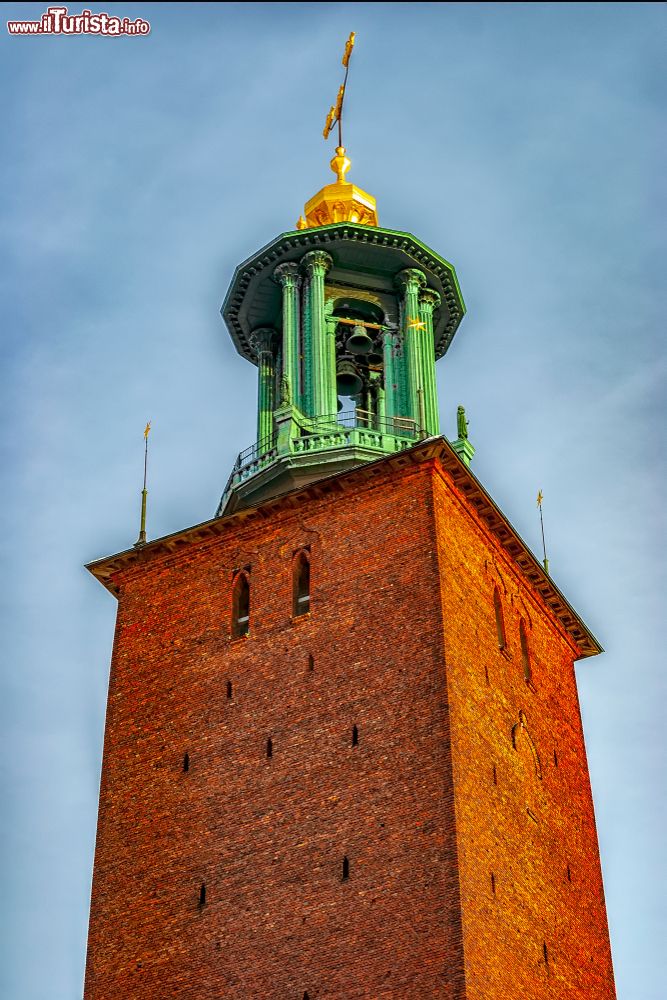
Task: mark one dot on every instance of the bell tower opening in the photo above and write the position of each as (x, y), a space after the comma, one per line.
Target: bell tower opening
(345, 324)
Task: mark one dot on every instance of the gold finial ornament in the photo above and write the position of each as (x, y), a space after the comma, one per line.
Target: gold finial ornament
(340, 164)
(341, 201)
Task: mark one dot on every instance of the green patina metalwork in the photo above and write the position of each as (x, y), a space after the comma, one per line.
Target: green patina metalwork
(410, 282)
(264, 346)
(429, 301)
(461, 423)
(462, 446)
(329, 394)
(287, 274)
(320, 373)
(303, 398)
(300, 442)
(254, 296)
(390, 290)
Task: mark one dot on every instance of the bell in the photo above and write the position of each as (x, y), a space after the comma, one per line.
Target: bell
(359, 342)
(374, 358)
(348, 380)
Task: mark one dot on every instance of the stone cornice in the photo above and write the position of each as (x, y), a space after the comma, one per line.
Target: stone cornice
(336, 239)
(125, 564)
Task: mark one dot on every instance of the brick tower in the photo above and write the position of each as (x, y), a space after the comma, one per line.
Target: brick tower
(343, 753)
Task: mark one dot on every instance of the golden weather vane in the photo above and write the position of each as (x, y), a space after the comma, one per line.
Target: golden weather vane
(336, 110)
(342, 201)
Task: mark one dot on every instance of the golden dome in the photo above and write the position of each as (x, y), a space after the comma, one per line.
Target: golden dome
(339, 202)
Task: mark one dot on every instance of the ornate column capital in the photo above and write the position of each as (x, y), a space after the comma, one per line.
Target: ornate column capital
(410, 280)
(429, 299)
(263, 340)
(287, 274)
(316, 260)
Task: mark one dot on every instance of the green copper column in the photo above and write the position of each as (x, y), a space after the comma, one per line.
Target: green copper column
(429, 301)
(410, 282)
(391, 388)
(379, 421)
(320, 360)
(330, 388)
(288, 276)
(262, 342)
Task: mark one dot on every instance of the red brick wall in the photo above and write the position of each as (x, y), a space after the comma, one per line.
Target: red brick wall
(268, 837)
(535, 903)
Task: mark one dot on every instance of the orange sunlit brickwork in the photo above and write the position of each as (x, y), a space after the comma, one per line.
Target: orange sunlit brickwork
(367, 800)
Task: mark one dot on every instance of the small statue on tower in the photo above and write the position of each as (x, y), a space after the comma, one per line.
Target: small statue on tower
(462, 445)
(285, 393)
(461, 424)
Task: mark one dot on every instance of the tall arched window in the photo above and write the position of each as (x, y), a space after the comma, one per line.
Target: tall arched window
(525, 657)
(301, 583)
(500, 624)
(240, 606)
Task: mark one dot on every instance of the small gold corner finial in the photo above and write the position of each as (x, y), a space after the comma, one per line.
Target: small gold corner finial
(545, 561)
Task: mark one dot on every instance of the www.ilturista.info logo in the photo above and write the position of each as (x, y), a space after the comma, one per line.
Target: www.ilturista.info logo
(57, 21)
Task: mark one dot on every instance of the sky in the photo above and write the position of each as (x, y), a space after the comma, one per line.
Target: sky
(522, 142)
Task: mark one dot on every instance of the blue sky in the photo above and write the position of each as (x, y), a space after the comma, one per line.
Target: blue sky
(522, 142)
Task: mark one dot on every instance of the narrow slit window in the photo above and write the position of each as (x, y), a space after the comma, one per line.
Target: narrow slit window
(269, 748)
(346, 868)
(301, 584)
(495, 775)
(229, 689)
(500, 624)
(311, 662)
(240, 606)
(493, 883)
(525, 656)
(186, 761)
(202, 894)
(355, 736)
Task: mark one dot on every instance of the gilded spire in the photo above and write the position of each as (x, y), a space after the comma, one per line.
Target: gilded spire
(341, 201)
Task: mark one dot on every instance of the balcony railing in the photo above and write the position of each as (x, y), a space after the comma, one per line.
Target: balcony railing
(333, 432)
(357, 427)
(351, 428)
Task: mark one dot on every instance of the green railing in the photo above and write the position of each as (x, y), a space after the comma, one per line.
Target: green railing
(350, 429)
